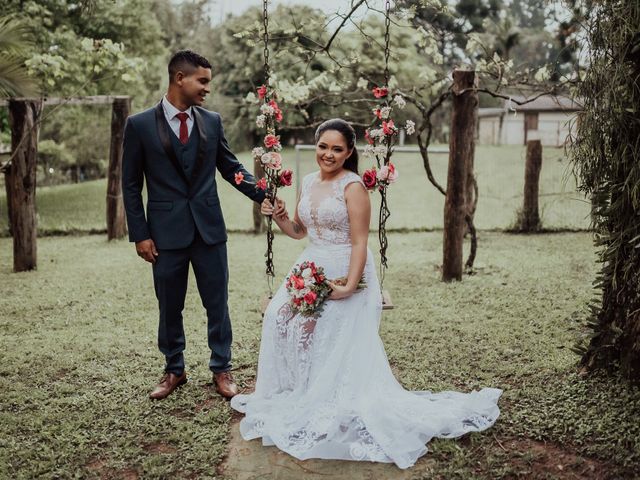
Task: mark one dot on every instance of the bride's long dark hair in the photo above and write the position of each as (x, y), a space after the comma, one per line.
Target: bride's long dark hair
(349, 134)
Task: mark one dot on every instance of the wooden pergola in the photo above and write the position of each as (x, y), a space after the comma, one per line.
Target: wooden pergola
(25, 116)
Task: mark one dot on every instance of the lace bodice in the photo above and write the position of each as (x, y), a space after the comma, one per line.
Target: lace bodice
(323, 210)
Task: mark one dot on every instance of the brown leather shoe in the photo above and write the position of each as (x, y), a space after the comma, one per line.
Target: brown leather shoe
(168, 383)
(225, 385)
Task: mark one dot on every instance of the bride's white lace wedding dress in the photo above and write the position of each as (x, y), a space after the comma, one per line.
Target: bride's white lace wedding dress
(325, 388)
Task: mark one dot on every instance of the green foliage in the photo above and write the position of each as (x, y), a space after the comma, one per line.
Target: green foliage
(103, 50)
(14, 42)
(606, 160)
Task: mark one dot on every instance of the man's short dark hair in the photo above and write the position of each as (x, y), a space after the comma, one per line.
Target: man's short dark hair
(186, 61)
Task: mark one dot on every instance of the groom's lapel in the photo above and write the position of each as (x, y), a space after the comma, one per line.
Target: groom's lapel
(165, 140)
(202, 143)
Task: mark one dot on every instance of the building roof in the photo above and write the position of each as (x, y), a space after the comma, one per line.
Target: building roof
(546, 103)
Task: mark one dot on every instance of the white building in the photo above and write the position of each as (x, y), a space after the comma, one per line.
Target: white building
(546, 118)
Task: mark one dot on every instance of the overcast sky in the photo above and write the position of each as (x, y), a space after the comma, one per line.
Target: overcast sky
(221, 8)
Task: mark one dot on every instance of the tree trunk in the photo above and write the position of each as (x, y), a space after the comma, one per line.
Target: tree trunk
(461, 143)
(530, 217)
(259, 223)
(7, 188)
(23, 116)
(116, 224)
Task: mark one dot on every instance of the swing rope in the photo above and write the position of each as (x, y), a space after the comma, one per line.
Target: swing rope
(270, 272)
(385, 213)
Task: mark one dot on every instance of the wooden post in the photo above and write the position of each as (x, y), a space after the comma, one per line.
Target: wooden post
(461, 143)
(116, 224)
(23, 117)
(530, 216)
(7, 188)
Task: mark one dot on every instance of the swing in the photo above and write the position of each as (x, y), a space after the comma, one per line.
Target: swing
(382, 137)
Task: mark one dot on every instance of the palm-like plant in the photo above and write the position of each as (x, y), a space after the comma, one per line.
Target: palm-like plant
(14, 42)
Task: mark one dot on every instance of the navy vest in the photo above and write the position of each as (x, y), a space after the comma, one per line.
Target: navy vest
(188, 152)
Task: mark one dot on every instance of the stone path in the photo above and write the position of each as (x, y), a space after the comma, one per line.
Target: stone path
(252, 461)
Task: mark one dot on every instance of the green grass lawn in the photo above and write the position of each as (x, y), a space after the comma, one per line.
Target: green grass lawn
(414, 202)
(79, 357)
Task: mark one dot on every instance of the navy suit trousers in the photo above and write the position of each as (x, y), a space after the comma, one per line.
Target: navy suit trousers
(170, 278)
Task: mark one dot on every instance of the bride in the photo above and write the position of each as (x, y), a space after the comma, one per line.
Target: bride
(324, 387)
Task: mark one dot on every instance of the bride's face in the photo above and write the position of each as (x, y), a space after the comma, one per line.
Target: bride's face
(331, 151)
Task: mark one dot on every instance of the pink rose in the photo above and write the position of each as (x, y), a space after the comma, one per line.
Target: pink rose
(286, 177)
(271, 141)
(297, 282)
(388, 173)
(262, 92)
(310, 298)
(380, 92)
(276, 161)
(369, 178)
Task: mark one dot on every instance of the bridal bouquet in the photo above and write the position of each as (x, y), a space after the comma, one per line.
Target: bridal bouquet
(307, 285)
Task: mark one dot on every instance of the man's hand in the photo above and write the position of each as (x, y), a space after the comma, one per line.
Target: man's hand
(147, 250)
(280, 212)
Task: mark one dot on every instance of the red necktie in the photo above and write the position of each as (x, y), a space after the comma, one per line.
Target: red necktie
(184, 131)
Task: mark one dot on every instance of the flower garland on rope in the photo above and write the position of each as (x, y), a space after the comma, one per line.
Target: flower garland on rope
(381, 139)
(270, 158)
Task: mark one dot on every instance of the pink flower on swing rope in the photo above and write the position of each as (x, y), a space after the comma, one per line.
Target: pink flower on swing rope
(369, 178)
(262, 92)
(239, 178)
(388, 127)
(388, 173)
(378, 113)
(286, 178)
(277, 112)
(271, 141)
(262, 184)
(367, 137)
(380, 92)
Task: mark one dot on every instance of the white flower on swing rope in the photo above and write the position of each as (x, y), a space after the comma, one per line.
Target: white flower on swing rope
(369, 151)
(399, 101)
(271, 160)
(376, 133)
(380, 151)
(410, 127)
(385, 112)
(257, 152)
(261, 121)
(267, 109)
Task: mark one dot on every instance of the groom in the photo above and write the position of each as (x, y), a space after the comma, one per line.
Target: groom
(176, 147)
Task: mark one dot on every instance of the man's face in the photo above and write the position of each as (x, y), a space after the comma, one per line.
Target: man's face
(195, 86)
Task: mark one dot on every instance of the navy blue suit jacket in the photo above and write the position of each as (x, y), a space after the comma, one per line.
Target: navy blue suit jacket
(177, 205)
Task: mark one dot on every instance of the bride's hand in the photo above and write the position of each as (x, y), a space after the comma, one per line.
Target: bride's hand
(338, 292)
(281, 210)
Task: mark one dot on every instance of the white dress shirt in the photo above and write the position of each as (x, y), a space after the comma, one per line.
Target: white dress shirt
(170, 113)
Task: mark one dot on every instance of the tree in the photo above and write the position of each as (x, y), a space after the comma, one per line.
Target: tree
(605, 152)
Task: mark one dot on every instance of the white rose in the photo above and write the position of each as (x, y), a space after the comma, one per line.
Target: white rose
(265, 159)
